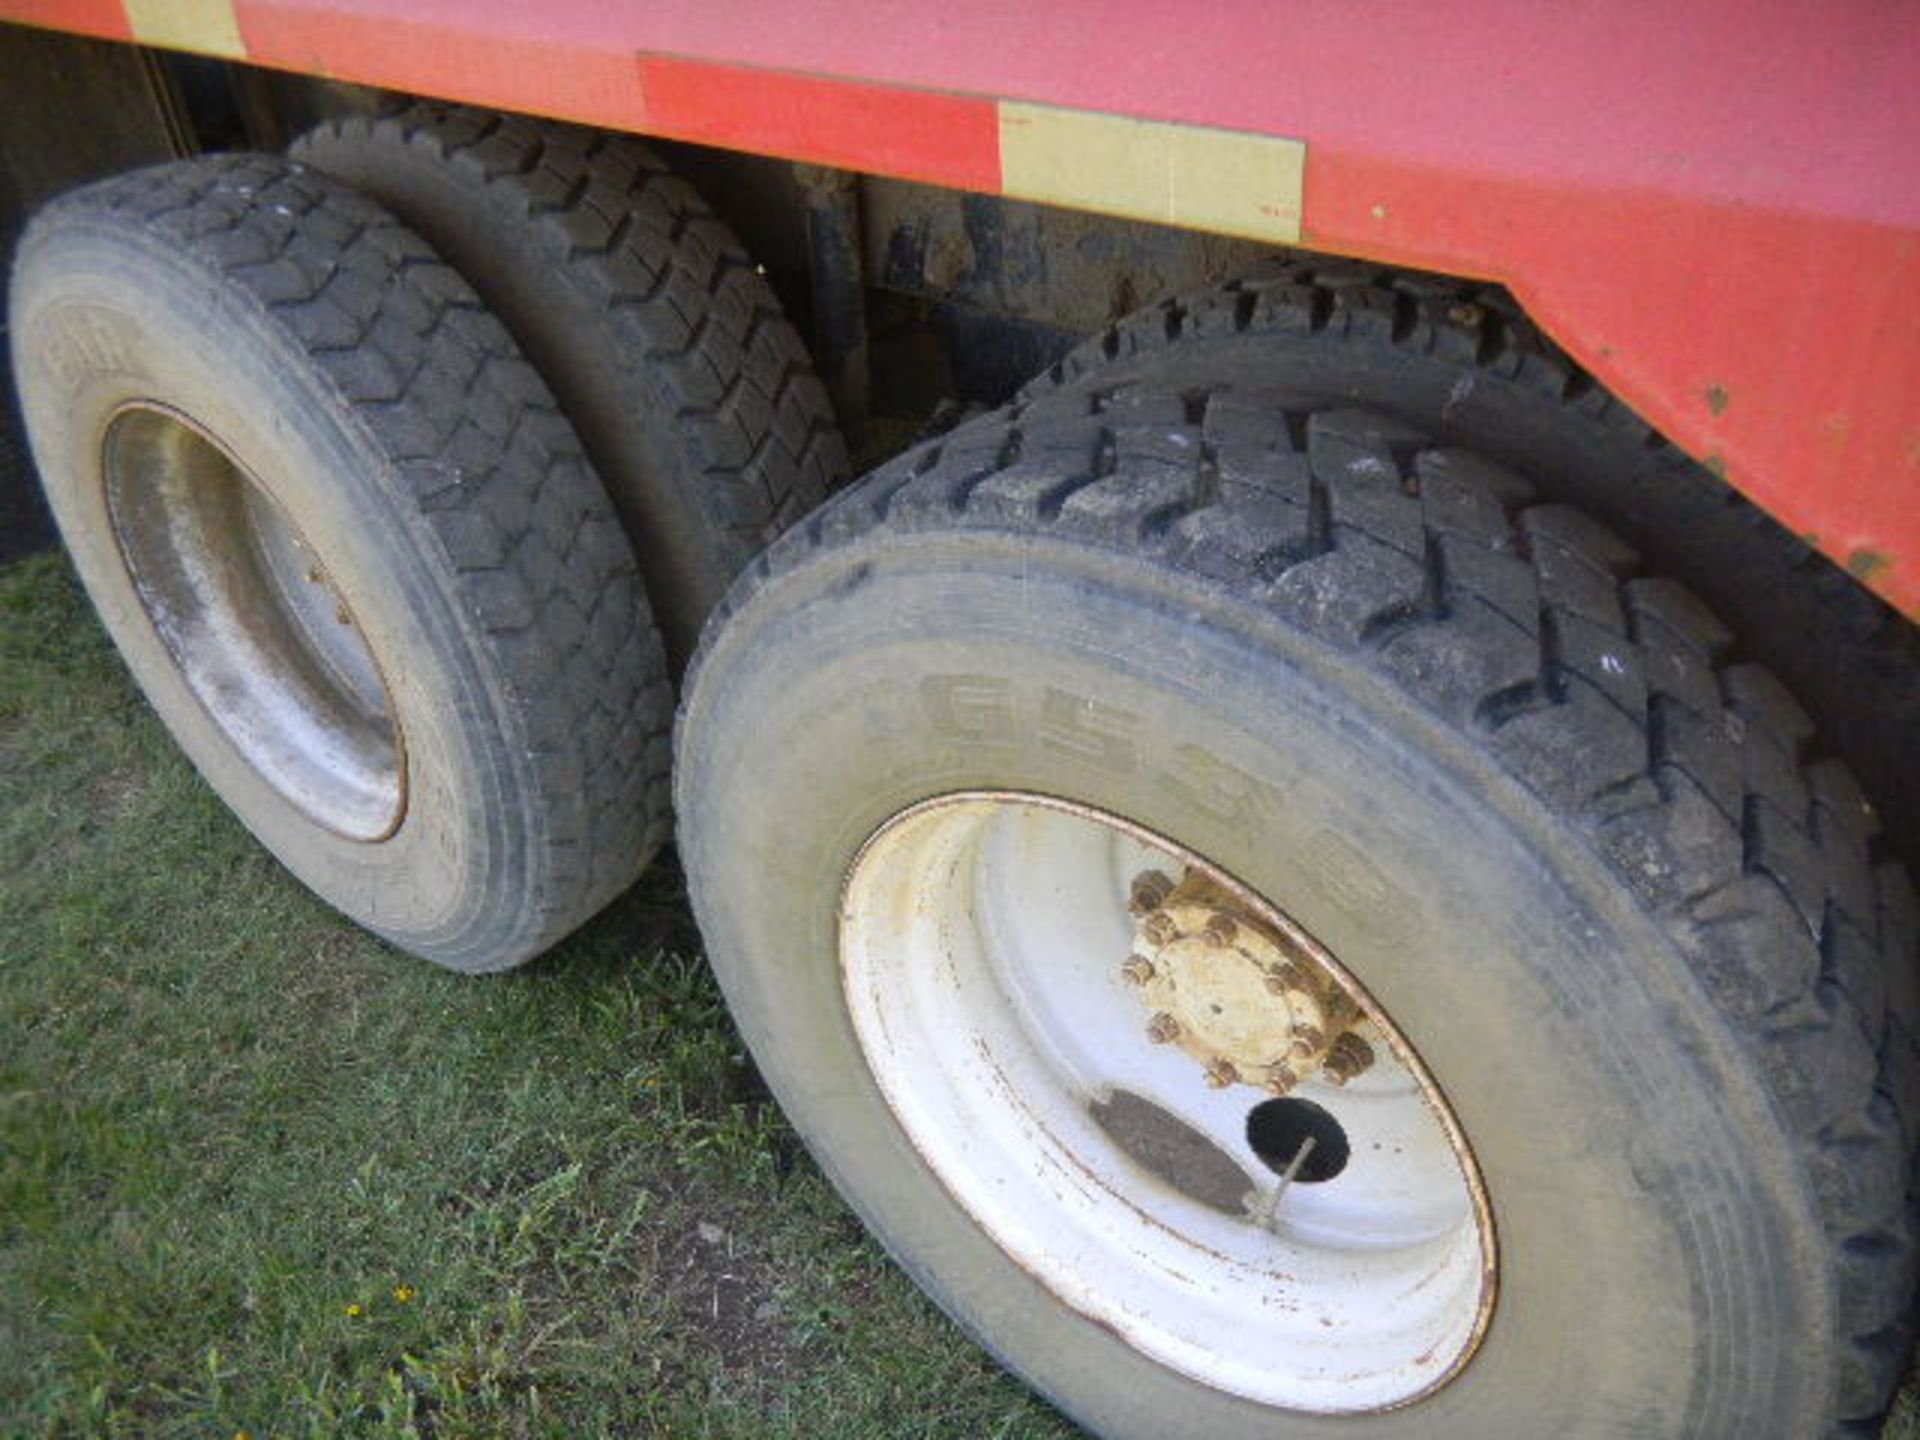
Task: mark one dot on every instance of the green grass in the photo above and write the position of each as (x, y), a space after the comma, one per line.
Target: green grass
(260, 1173)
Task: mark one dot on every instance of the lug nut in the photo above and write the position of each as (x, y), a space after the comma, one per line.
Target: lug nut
(1163, 1028)
(1307, 1040)
(1138, 970)
(1290, 976)
(1280, 1078)
(1160, 928)
(1349, 1057)
(1221, 1074)
(1220, 929)
(1149, 892)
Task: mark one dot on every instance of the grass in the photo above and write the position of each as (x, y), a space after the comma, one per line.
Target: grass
(262, 1175)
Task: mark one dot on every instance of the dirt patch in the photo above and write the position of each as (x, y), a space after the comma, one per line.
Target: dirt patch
(115, 793)
(721, 1286)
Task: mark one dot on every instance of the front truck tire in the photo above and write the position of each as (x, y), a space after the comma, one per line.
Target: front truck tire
(1448, 747)
(348, 548)
(692, 395)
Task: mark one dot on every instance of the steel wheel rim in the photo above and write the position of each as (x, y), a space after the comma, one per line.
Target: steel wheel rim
(254, 622)
(982, 940)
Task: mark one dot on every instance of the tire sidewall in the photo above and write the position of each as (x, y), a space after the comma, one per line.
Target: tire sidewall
(1651, 1231)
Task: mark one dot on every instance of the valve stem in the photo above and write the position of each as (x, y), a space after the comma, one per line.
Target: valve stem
(1266, 1212)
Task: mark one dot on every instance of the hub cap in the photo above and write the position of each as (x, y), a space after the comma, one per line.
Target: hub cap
(1166, 1102)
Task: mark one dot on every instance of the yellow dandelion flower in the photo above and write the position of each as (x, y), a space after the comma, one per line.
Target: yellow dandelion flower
(355, 1310)
(403, 1293)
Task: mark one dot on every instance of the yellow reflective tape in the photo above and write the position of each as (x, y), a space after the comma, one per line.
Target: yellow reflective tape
(206, 26)
(1225, 181)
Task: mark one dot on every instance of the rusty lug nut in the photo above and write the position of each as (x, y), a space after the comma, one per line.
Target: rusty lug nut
(1307, 1040)
(1349, 1057)
(1288, 980)
(1220, 929)
(1281, 1078)
(1138, 970)
(1221, 1074)
(1162, 1028)
(1160, 928)
(1292, 975)
(1149, 892)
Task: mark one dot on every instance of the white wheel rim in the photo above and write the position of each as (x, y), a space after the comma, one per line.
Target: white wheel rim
(981, 940)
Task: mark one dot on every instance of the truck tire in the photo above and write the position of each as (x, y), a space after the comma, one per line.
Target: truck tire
(1461, 362)
(694, 398)
(348, 548)
(1570, 857)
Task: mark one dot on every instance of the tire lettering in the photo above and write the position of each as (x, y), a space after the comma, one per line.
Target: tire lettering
(974, 709)
(1351, 882)
(1203, 782)
(1087, 730)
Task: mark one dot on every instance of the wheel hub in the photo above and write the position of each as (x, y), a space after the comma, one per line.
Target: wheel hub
(1250, 1004)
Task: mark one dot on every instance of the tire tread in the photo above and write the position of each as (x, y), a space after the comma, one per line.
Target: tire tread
(677, 311)
(1850, 655)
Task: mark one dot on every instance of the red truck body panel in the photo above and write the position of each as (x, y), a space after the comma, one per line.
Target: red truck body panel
(1715, 207)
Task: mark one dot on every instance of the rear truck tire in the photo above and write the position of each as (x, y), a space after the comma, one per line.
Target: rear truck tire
(1114, 728)
(692, 394)
(1459, 361)
(348, 548)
